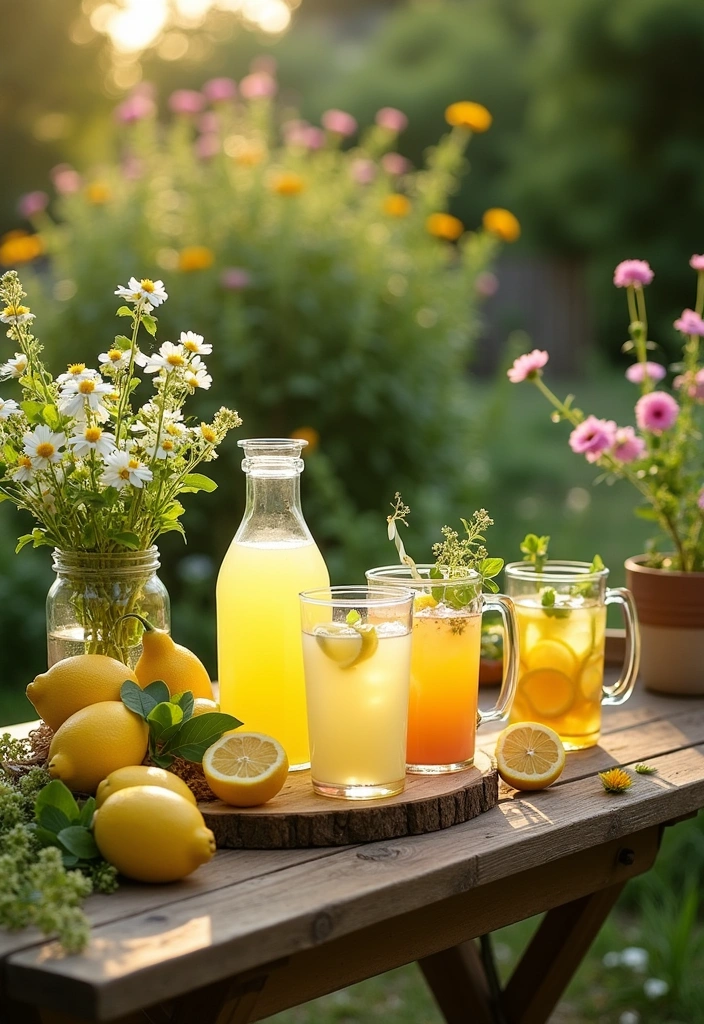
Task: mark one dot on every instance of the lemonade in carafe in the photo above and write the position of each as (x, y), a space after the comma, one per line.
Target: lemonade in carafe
(272, 558)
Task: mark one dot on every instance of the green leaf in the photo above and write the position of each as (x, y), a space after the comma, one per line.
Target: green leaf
(79, 842)
(51, 416)
(489, 585)
(162, 718)
(59, 797)
(186, 702)
(52, 819)
(435, 573)
(127, 540)
(122, 342)
(22, 542)
(125, 311)
(44, 835)
(194, 482)
(597, 564)
(136, 699)
(33, 411)
(149, 323)
(197, 734)
(645, 512)
(158, 691)
(87, 811)
(489, 567)
(161, 760)
(547, 598)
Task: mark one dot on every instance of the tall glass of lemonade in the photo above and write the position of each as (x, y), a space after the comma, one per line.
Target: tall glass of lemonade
(561, 613)
(443, 714)
(272, 558)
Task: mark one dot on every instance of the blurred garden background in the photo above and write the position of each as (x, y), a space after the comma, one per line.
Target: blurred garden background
(287, 168)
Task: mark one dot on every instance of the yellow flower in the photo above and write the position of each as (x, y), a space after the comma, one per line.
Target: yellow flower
(208, 433)
(615, 780)
(397, 205)
(309, 434)
(287, 184)
(468, 115)
(19, 247)
(98, 193)
(195, 257)
(444, 225)
(502, 223)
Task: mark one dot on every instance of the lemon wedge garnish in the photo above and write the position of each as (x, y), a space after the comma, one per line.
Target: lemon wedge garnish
(529, 756)
(345, 644)
(424, 601)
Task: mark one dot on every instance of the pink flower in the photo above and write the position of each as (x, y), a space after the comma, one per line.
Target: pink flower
(207, 146)
(700, 499)
(632, 272)
(314, 138)
(639, 371)
(627, 447)
(219, 90)
(258, 86)
(235, 279)
(208, 122)
(690, 323)
(694, 386)
(697, 262)
(339, 122)
(527, 366)
(66, 179)
(391, 118)
(186, 101)
(486, 284)
(300, 133)
(136, 107)
(32, 203)
(656, 412)
(394, 163)
(593, 437)
(363, 171)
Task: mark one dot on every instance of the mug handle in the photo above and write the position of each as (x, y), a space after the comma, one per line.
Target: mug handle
(623, 688)
(505, 606)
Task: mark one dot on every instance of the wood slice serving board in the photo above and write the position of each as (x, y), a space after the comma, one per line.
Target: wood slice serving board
(298, 817)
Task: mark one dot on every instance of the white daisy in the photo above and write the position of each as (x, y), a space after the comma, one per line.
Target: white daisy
(174, 429)
(114, 359)
(14, 367)
(165, 450)
(196, 375)
(169, 357)
(8, 407)
(145, 290)
(15, 314)
(194, 343)
(121, 469)
(92, 439)
(75, 372)
(43, 446)
(88, 392)
(24, 471)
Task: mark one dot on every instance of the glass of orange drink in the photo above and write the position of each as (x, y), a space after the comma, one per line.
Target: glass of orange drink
(442, 713)
(561, 612)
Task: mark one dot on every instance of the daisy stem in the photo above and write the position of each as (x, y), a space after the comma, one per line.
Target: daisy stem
(124, 397)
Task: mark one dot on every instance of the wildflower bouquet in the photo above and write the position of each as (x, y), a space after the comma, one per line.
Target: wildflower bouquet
(96, 474)
(662, 455)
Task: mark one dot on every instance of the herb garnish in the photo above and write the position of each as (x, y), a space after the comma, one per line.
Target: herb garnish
(535, 551)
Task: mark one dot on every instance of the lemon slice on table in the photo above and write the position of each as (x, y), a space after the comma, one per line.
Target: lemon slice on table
(347, 645)
(529, 756)
(550, 693)
(245, 768)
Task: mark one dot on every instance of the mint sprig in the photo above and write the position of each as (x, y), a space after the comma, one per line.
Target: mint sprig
(61, 822)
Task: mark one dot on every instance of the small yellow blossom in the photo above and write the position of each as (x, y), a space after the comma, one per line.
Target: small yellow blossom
(287, 183)
(615, 780)
(444, 225)
(502, 223)
(98, 193)
(92, 434)
(195, 257)
(19, 247)
(87, 386)
(76, 369)
(208, 433)
(466, 114)
(309, 434)
(45, 450)
(397, 205)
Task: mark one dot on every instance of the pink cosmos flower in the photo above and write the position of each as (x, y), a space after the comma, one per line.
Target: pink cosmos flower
(697, 262)
(486, 284)
(394, 163)
(639, 371)
(391, 118)
(219, 90)
(694, 386)
(186, 101)
(700, 499)
(628, 446)
(593, 437)
(690, 323)
(32, 203)
(66, 180)
(258, 86)
(363, 171)
(339, 122)
(136, 107)
(235, 279)
(207, 146)
(656, 411)
(633, 272)
(527, 366)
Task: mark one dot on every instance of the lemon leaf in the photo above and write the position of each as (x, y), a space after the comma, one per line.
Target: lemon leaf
(136, 699)
(186, 702)
(197, 734)
(194, 482)
(159, 691)
(87, 811)
(56, 797)
(79, 842)
(163, 718)
(52, 819)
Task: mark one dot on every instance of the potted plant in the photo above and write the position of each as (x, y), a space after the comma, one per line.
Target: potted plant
(662, 457)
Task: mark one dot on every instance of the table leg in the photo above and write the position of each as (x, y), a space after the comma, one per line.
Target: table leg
(458, 981)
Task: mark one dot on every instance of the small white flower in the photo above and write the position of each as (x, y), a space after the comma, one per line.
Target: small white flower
(43, 446)
(170, 357)
(121, 469)
(77, 395)
(165, 450)
(636, 958)
(174, 429)
(14, 367)
(655, 988)
(139, 358)
(14, 314)
(611, 959)
(114, 359)
(194, 343)
(25, 469)
(8, 407)
(196, 375)
(145, 290)
(48, 498)
(92, 439)
(76, 372)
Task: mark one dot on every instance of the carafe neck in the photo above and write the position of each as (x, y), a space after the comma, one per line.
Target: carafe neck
(273, 513)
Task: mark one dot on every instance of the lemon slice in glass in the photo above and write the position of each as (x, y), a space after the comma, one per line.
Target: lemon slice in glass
(529, 756)
(550, 693)
(552, 653)
(347, 645)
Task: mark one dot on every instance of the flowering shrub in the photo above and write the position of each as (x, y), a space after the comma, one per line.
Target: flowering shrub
(664, 461)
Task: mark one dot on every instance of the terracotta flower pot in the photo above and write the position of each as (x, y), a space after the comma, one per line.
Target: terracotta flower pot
(671, 615)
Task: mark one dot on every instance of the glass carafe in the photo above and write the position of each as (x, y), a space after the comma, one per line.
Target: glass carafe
(272, 558)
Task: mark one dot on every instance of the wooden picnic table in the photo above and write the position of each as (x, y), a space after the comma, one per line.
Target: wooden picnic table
(255, 932)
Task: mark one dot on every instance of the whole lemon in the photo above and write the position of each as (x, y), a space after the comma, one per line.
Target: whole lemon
(141, 775)
(152, 835)
(74, 683)
(173, 663)
(94, 742)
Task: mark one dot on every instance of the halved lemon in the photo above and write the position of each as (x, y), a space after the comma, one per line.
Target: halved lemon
(347, 645)
(551, 693)
(529, 756)
(245, 768)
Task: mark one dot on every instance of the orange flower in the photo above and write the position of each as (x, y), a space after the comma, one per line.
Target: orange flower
(397, 205)
(468, 115)
(195, 257)
(19, 247)
(502, 223)
(444, 225)
(287, 183)
(309, 434)
(98, 193)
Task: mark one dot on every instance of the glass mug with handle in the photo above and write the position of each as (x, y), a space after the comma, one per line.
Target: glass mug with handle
(561, 614)
(443, 715)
